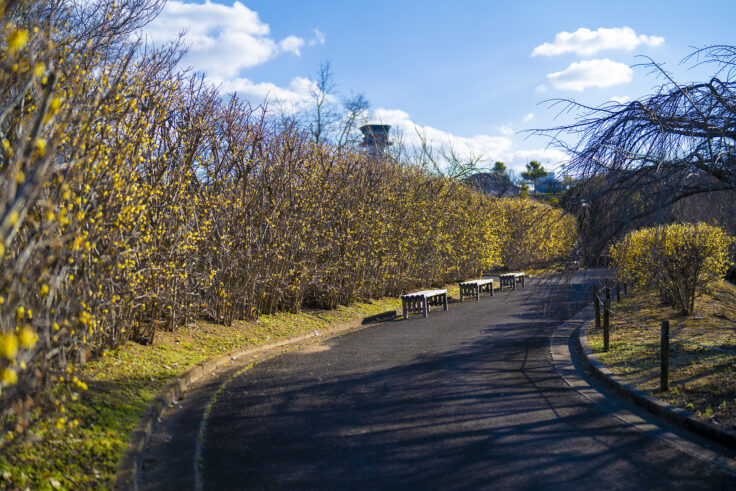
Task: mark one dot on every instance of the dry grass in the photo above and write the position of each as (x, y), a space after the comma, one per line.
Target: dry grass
(702, 377)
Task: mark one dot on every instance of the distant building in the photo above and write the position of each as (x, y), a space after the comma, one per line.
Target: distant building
(549, 184)
(375, 138)
(493, 184)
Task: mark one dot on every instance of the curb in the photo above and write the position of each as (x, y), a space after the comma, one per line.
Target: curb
(128, 471)
(673, 415)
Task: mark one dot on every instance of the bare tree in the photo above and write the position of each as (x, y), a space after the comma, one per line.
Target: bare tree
(444, 160)
(328, 120)
(355, 108)
(638, 159)
(324, 115)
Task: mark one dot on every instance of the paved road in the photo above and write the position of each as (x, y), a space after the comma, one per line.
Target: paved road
(466, 399)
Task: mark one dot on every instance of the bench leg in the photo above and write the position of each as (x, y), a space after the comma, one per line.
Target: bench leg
(404, 309)
(513, 282)
(477, 293)
(491, 289)
(444, 301)
(522, 281)
(425, 306)
(462, 288)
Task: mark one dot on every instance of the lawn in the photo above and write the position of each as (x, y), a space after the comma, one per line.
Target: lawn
(702, 350)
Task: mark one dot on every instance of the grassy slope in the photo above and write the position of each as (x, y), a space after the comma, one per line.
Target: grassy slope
(84, 452)
(702, 379)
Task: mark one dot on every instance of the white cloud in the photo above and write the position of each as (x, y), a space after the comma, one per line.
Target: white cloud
(591, 73)
(291, 44)
(528, 117)
(490, 147)
(298, 97)
(319, 38)
(291, 100)
(541, 88)
(585, 42)
(222, 39)
(621, 99)
(506, 130)
(551, 158)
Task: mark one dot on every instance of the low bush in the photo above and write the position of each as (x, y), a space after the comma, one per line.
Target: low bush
(678, 260)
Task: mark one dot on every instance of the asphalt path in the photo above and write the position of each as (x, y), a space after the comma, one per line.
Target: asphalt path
(464, 399)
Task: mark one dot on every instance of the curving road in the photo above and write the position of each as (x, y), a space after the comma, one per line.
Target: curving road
(465, 399)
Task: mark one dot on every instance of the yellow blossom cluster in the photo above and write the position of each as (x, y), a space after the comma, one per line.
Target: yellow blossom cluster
(535, 234)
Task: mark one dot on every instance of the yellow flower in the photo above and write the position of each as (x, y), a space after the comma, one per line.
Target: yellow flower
(8, 346)
(8, 377)
(44, 289)
(41, 147)
(27, 337)
(39, 69)
(16, 40)
(55, 105)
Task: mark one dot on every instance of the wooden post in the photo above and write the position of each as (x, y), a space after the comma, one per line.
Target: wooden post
(444, 301)
(618, 292)
(664, 374)
(597, 304)
(404, 301)
(425, 305)
(606, 319)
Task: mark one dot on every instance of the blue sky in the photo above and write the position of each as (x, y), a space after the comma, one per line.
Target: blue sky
(470, 73)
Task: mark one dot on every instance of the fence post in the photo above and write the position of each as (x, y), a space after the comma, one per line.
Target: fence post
(606, 319)
(618, 292)
(597, 307)
(664, 373)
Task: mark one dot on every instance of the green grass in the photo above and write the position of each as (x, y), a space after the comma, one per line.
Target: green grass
(123, 382)
(702, 378)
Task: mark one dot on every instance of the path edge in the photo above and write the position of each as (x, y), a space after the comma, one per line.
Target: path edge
(577, 328)
(128, 472)
(675, 416)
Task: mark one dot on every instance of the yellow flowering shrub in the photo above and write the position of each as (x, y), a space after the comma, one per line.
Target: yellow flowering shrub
(679, 260)
(534, 233)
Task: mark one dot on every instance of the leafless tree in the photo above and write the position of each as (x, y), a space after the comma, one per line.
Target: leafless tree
(638, 159)
(329, 119)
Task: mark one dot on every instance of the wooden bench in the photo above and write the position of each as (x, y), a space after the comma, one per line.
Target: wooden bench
(511, 279)
(475, 288)
(419, 302)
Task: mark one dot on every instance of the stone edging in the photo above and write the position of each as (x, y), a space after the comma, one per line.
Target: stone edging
(126, 477)
(672, 415)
